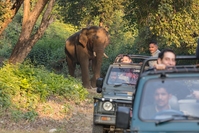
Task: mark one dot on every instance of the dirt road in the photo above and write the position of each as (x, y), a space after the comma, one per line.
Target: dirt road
(78, 121)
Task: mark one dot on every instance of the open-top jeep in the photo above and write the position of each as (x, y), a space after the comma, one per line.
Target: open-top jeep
(117, 89)
(173, 89)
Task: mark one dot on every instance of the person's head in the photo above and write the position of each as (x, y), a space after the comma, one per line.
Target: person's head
(126, 59)
(162, 97)
(153, 47)
(167, 57)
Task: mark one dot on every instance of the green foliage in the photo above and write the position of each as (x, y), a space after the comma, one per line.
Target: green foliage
(10, 36)
(176, 26)
(30, 115)
(122, 40)
(50, 48)
(19, 115)
(24, 86)
(174, 23)
(83, 13)
(5, 11)
(4, 99)
(5, 49)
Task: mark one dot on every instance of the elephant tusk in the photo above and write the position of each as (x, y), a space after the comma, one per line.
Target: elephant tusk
(105, 55)
(94, 53)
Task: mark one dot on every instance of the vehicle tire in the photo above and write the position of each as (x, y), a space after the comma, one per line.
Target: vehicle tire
(97, 129)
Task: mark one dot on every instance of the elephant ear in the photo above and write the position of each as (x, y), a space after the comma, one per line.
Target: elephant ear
(83, 39)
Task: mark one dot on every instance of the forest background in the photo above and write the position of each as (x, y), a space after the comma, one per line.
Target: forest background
(33, 34)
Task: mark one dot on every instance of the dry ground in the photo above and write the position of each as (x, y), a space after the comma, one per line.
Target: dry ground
(77, 121)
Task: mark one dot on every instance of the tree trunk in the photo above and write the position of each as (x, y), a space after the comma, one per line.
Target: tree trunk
(26, 41)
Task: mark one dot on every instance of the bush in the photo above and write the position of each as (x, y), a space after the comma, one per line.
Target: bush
(24, 86)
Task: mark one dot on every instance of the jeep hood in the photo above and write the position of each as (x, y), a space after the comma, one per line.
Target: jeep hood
(123, 95)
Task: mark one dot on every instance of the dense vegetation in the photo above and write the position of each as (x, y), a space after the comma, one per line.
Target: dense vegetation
(132, 25)
(24, 86)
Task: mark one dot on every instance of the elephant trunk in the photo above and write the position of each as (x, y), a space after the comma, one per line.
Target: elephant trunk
(96, 66)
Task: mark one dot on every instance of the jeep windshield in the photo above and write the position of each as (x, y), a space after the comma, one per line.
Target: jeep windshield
(123, 76)
(167, 99)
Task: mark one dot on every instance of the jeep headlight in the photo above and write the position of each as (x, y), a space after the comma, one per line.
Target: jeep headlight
(107, 106)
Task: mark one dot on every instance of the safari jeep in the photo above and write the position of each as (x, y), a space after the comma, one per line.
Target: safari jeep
(115, 92)
(173, 89)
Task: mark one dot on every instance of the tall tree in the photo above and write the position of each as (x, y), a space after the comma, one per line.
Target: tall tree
(175, 22)
(8, 10)
(27, 39)
(81, 13)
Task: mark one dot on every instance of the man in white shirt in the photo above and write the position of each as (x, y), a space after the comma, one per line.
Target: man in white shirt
(153, 48)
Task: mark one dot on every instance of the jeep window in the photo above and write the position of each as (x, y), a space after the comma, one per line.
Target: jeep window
(123, 76)
(168, 98)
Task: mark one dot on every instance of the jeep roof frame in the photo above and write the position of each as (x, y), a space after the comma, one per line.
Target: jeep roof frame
(178, 68)
(132, 56)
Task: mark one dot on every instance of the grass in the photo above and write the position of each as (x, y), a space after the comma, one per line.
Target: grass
(79, 116)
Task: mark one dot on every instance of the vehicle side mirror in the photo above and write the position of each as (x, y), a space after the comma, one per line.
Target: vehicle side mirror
(99, 84)
(99, 90)
(122, 117)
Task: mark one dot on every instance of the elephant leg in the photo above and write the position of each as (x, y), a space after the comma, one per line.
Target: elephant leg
(71, 67)
(85, 74)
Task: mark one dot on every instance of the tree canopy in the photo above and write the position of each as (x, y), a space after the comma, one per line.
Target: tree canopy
(171, 21)
(82, 13)
(8, 10)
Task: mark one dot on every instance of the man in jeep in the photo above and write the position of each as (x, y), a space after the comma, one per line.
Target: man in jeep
(166, 58)
(161, 98)
(113, 78)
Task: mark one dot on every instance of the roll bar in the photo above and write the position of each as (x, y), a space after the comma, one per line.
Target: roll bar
(188, 57)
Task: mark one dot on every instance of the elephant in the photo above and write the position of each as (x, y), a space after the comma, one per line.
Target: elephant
(84, 46)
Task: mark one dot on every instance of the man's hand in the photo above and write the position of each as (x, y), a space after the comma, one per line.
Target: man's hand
(196, 94)
(160, 66)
